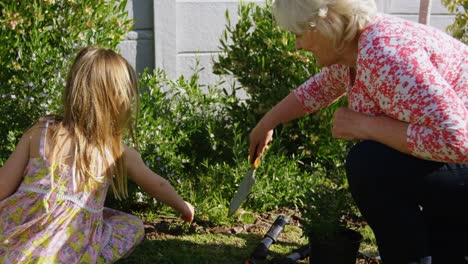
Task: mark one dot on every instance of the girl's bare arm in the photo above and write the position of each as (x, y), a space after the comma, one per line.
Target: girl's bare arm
(155, 185)
(11, 174)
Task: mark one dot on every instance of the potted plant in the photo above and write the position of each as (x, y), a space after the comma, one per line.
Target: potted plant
(328, 208)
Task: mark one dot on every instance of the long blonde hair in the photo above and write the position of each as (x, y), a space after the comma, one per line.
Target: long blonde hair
(100, 99)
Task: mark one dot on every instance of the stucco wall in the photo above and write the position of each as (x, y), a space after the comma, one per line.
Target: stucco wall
(138, 45)
(174, 34)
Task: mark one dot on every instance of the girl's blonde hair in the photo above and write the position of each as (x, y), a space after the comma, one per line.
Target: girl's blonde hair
(339, 20)
(100, 99)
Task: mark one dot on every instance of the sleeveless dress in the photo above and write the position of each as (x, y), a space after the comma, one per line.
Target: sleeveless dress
(45, 222)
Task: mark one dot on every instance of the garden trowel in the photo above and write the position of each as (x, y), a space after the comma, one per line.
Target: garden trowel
(244, 187)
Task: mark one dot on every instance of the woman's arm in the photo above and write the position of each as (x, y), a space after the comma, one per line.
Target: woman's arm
(317, 92)
(11, 174)
(155, 185)
(287, 109)
(409, 84)
(350, 125)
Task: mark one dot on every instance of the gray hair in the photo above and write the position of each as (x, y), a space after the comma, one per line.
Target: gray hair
(339, 20)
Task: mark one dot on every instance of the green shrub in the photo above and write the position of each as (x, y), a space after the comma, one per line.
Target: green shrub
(186, 133)
(184, 124)
(264, 60)
(459, 28)
(328, 206)
(304, 164)
(195, 136)
(280, 182)
(38, 40)
(262, 57)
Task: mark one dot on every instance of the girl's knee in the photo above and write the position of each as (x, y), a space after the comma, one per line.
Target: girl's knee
(139, 229)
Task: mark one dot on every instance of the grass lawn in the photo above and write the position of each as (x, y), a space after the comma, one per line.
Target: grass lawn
(209, 248)
(169, 241)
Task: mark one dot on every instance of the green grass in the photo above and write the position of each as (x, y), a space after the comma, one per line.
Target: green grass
(210, 248)
(175, 242)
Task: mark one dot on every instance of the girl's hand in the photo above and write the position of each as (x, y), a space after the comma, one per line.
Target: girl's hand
(259, 139)
(188, 213)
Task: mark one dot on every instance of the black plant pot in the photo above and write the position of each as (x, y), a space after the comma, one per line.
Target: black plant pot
(341, 249)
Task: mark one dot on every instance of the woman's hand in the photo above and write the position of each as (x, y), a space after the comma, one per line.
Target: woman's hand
(259, 139)
(288, 109)
(349, 125)
(188, 213)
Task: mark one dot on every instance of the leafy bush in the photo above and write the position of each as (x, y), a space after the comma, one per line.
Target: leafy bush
(459, 28)
(195, 136)
(262, 57)
(38, 40)
(184, 124)
(304, 164)
(328, 207)
(187, 134)
(265, 61)
(280, 182)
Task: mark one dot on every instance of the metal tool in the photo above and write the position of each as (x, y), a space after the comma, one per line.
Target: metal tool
(245, 186)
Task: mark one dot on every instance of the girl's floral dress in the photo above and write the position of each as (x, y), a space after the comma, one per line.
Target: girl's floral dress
(45, 222)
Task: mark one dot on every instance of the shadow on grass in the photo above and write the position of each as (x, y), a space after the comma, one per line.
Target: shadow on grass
(199, 249)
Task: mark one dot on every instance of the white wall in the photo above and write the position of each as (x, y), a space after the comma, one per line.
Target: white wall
(174, 34)
(138, 45)
(187, 32)
(409, 9)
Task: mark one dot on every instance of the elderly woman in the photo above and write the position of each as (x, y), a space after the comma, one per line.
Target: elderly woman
(407, 88)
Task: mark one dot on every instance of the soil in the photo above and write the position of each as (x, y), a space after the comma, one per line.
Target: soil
(166, 227)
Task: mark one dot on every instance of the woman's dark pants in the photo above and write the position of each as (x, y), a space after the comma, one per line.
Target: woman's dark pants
(415, 207)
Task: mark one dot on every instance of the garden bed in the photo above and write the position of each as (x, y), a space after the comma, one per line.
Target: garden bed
(168, 240)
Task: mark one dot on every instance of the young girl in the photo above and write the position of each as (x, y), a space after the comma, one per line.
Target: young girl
(53, 186)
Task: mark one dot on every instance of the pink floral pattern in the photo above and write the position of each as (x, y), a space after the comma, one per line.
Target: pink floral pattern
(410, 72)
(45, 223)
